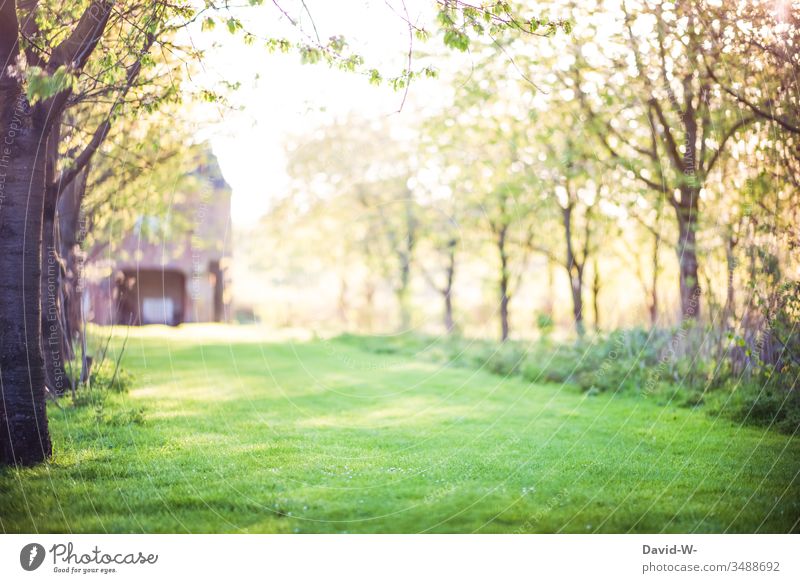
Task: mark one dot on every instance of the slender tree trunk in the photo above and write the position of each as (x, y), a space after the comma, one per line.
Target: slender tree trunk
(449, 323)
(406, 254)
(403, 293)
(729, 312)
(504, 323)
(575, 272)
(576, 285)
(687, 254)
(653, 307)
(596, 295)
(53, 333)
(69, 237)
(504, 284)
(24, 435)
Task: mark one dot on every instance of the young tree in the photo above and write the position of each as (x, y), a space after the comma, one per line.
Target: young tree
(668, 123)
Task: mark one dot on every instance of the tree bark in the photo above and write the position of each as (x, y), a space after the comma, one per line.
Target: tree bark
(687, 212)
(53, 334)
(23, 416)
(52, 321)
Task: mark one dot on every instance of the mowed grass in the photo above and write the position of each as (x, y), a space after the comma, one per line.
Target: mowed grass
(226, 432)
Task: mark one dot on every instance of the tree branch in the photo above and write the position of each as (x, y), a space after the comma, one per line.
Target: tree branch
(755, 108)
(74, 51)
(729, 134)
(672, 147)
(67, 176)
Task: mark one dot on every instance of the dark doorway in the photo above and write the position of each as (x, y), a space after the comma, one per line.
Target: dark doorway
(151, 296)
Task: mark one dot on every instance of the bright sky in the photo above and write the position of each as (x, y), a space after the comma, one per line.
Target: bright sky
(280, 97)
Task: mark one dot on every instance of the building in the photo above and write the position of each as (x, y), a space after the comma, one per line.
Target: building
(173, 266)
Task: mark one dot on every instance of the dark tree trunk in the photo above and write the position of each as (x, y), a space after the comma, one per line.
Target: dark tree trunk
(24, 167)
(23, 415)
(53, 333)
(687, 212)
(504, 324)
(69, 238)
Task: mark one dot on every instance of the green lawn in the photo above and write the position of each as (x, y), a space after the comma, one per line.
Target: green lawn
(225, 432)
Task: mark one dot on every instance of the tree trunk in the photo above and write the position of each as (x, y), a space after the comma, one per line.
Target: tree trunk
(403, 293)
(53, 333)
(449, 323)
(53, 338)
(576, 285)
(504, 281)
(504, 324)
(69, 237)
(729, 313)
(23, 415)
(687, 254)
(574, 271)
(596, 295)
(653, 307)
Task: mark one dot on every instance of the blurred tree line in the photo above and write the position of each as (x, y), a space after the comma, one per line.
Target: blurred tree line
(641, 171)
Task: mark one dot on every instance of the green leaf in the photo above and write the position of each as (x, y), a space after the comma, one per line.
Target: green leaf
(233, 25)
(42, 86)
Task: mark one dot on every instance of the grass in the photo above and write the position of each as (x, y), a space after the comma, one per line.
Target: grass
(223, 431)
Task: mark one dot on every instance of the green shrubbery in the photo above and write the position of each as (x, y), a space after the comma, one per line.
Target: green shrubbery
(682, 366)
